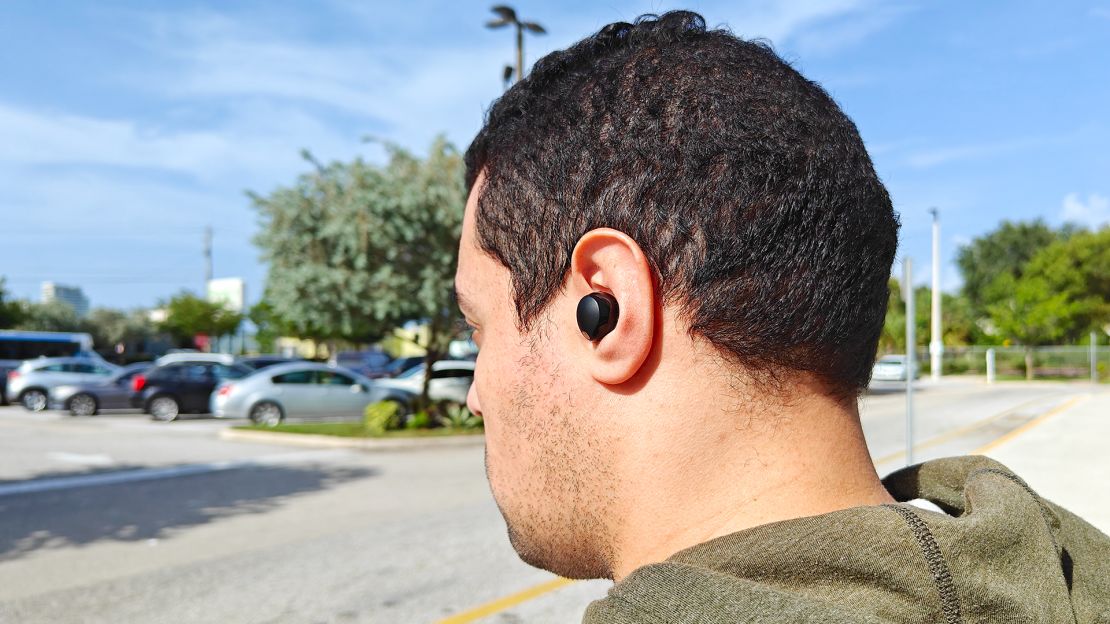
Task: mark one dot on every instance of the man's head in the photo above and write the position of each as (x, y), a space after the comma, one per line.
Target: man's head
(712, 190)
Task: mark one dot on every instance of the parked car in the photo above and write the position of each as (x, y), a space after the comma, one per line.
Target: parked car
(450, 381)
(892, 368)
(168, 390)
(258, 362)
(5, 368)
(88, 398)
(17, 346)
(371, 363)
(297, 391)
(195, 356)
(30, 384)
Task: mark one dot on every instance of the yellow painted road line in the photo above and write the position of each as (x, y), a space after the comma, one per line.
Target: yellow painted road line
(990, 446)
(508, 601)
(957, 433)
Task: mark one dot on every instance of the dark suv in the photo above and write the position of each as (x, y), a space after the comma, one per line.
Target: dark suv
(168, 390)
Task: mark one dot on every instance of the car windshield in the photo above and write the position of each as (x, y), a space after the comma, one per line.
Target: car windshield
(412, 372)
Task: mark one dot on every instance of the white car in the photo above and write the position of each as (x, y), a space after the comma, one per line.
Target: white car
(195, 357)
(451, 380)
(892, 368)
(31, 383)
(299, 391)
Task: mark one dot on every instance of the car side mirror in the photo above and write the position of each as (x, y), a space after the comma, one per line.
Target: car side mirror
(357, 388)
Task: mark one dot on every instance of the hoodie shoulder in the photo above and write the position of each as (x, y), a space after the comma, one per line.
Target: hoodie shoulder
(678, 593)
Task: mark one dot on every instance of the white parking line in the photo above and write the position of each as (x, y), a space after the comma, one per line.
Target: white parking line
(150, 474)
(80, 458)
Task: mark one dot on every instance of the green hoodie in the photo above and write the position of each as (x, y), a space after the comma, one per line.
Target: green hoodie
(1004, 554)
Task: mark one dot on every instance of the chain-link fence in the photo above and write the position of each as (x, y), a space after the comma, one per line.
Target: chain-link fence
(1052, 362)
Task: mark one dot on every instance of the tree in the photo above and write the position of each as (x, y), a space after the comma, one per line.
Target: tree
(893, 337)
(1078, 267)
(51, 316)
(1030, 312)
(269, 325)
(959, 324)
(357, 249)
(11, 312)
(1004, 251)
(110, 327)
(188, 316)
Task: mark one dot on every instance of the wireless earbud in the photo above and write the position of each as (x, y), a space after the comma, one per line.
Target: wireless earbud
(597, 315)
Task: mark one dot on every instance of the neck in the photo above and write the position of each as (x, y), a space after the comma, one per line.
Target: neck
(716, 471)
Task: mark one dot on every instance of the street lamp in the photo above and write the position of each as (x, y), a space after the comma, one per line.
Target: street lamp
(505, 16)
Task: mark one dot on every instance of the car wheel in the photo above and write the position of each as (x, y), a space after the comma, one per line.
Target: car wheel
(267, 414)
(34, 400)
(164, 408)
(83, 405)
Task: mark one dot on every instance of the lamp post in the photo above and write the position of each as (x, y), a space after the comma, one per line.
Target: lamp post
(936, 344)
(506, 16)
(911, 352)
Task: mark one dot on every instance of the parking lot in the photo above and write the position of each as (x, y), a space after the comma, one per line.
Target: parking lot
(116, 518)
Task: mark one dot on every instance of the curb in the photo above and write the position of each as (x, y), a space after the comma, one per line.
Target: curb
(365, 444)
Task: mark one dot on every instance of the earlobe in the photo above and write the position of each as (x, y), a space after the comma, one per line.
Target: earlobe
(608, 264)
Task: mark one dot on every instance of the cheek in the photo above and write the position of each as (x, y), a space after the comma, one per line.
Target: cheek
(510, 391)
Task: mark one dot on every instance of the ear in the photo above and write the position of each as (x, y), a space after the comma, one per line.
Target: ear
(607, 260)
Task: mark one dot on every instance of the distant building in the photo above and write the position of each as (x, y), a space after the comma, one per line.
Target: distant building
(71, 295)
(231, 292)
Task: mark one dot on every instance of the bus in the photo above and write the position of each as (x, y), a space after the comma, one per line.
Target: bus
(16, 346)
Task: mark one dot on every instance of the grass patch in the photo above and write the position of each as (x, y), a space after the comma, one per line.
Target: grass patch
(1041, 378)
(357, 430)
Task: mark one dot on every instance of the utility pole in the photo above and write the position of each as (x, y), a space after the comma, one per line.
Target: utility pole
(911, 355)
(936, 343)
(506, 16)
(207, 257)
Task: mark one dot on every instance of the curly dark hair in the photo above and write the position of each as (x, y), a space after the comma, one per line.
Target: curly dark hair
(747, 187)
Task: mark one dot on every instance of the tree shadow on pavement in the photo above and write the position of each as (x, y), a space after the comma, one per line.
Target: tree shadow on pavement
(155, 509)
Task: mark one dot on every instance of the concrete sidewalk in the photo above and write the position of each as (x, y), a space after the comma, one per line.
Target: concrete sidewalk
(1065, 456)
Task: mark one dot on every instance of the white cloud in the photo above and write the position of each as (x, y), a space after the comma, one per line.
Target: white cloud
(780, 21)
(253, 144)
(415, 90)
(932, 157)
(848, 29)
(412, 91)
(1094, 212)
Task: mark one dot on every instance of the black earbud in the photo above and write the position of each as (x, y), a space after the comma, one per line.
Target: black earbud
(597, 315)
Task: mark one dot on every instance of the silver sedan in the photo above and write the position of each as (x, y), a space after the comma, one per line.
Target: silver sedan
(296, 391)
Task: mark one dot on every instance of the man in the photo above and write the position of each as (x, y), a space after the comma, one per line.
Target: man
(705, 451)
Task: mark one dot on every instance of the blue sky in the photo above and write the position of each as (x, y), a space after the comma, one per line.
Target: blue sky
(127, 127)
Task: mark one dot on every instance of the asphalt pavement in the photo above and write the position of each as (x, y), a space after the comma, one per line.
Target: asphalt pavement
(119, 519)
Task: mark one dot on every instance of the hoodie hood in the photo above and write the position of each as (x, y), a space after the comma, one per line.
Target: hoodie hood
(1001, 553)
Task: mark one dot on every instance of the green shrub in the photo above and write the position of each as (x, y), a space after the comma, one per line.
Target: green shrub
(460, 417)
(381, 417)
(419, 420)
